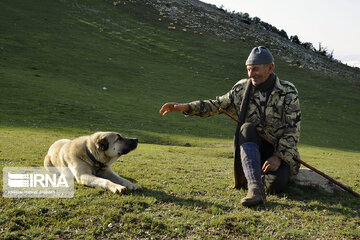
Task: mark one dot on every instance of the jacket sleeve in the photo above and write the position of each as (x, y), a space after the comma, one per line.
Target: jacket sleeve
(207, 108)
(287, 144)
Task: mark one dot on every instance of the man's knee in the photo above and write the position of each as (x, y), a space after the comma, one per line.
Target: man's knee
(277, 181)
(275, 185)
(248, 133)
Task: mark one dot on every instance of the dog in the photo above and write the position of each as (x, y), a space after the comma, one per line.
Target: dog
(89, 159)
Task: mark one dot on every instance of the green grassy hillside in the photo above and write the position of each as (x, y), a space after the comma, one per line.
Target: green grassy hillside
(69, 68)
(57, 56)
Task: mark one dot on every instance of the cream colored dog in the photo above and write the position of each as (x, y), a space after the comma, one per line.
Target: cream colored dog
(89, 159)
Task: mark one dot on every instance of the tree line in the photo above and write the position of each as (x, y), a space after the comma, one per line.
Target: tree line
(245, 18)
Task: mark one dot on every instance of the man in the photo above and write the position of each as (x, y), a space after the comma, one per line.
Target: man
(267, 106)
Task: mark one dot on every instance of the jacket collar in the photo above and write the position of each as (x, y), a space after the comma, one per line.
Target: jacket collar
(268, 84)
(278, 87)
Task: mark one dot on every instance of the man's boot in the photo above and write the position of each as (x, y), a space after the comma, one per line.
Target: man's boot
(250, 160)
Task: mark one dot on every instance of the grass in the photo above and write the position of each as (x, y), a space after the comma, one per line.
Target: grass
(186, 194)
(56, 58)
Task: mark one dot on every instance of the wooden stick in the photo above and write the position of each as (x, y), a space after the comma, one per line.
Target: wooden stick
(343, 186)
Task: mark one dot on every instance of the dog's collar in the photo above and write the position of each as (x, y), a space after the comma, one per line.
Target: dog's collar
(96, 162)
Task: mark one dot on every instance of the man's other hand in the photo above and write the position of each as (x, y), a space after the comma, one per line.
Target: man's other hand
(272, 164)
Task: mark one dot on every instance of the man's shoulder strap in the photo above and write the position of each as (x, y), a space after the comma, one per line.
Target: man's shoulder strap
(245, 102)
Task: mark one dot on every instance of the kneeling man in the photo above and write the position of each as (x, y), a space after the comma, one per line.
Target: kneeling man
(267, 106)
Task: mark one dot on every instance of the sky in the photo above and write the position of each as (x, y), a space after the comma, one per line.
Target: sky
(333, 23)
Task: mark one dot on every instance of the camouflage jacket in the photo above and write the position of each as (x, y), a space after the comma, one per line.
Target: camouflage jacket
(281, 123)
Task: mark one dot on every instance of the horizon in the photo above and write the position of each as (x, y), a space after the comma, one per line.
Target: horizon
(334, 33)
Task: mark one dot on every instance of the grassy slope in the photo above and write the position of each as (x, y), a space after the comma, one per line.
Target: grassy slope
(186, 195)
(56, 57)
(141, 65)
(54, 64)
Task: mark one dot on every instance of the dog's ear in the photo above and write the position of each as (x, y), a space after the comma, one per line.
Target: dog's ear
(102, 144)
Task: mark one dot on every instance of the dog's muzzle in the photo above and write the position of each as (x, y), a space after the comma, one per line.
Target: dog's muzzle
(129, 144)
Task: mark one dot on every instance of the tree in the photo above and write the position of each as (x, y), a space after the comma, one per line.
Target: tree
(295, 39)
(256, 20)
(308, 45)
(331, 55)
(322, 50)
(283, 34)
(246, 16)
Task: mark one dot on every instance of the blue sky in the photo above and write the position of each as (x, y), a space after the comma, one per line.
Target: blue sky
(334, 23)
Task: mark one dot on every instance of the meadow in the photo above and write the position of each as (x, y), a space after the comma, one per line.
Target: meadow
(71, 68)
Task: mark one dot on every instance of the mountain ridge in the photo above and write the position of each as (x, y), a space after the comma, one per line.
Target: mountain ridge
(202, 18)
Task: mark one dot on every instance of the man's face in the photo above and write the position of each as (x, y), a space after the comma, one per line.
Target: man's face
(259, 73)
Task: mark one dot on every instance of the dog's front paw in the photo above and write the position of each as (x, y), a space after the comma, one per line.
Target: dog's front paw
(135, 187)
(118, 189)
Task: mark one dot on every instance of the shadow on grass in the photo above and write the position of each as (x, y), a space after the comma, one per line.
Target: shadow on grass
(316, 199)
(307, 199)
(164, 197)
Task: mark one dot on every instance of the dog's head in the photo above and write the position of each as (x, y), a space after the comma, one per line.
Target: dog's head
(111, 145)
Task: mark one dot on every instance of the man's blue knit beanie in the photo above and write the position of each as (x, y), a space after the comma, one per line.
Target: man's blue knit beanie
(259, 55)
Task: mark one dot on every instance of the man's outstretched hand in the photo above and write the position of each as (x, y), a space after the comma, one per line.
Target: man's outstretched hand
(173, 107)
